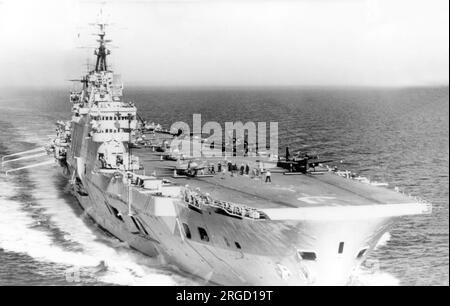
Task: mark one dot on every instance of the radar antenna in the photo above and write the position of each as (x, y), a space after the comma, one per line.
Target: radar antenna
(101, 52)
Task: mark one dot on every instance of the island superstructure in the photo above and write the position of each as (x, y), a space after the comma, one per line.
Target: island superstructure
(312, 225)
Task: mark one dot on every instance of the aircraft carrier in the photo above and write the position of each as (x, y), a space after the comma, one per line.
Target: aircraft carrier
(219, 218)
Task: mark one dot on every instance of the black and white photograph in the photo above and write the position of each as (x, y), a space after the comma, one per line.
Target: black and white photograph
(216, 147)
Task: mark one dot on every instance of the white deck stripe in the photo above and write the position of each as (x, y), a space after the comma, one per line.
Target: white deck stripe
(348, 212)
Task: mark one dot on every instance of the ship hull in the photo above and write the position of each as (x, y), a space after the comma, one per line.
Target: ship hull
(238, 251)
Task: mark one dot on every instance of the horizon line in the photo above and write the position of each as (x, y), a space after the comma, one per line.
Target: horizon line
(166, 86)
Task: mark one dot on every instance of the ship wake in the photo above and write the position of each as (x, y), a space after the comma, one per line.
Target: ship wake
(39, 220)
(94, 259)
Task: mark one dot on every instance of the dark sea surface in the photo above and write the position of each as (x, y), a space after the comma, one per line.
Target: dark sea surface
(399, 136)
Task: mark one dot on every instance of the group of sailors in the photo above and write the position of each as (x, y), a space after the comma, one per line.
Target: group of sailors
(351, 175)
(104, 164)
(242, 170)
(198, 199)
(346, 173)
(152, 126)
(60, 143)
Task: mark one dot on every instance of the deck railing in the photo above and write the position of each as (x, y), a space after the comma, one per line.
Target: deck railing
(198, 200)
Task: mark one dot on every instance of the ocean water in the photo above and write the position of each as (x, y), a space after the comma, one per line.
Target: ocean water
(399, 136)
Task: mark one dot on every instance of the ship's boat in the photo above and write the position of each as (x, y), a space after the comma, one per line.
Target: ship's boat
(313, 225)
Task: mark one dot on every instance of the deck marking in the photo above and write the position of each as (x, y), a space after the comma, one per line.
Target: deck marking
(349, 190)
(315, 199)
(250, 194)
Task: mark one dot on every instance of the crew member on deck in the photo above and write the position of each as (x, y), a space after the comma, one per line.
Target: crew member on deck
(102, 160)
(268, 176)
(219, 167)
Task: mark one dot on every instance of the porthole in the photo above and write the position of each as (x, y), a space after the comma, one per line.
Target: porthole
(341, 248)
(187, 231)
(306, 255)
(203, 234)
(361, 253)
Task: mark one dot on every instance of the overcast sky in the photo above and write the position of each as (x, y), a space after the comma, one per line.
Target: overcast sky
(244, 43)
